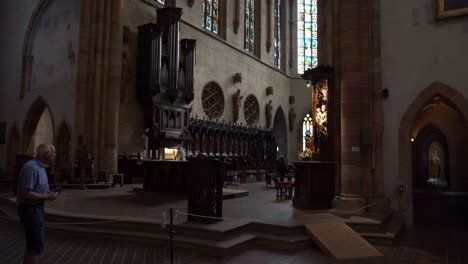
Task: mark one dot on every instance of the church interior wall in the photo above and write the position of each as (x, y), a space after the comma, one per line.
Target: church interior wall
(14, 22)
(417, 50)
(302, 106)
(54, 42)
(217, 60)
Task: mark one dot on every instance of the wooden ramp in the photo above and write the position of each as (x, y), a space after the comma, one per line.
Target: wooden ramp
(232, 193)
(338, 240)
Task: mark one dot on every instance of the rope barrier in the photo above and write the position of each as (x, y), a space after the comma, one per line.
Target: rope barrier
(84, 222)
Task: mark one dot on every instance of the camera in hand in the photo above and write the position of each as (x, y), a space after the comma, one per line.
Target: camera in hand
(55, 188)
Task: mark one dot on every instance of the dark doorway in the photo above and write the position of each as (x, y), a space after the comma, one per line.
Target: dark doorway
(433, 199)
(280, 133)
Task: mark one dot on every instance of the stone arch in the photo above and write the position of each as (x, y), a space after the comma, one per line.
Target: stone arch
(13, 148)
(30, 123)
(280, 132)
(450, 96)
(26, 67)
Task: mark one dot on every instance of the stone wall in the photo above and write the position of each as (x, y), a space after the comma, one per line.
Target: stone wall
(217, 60)
(417, 50)
(48, 31)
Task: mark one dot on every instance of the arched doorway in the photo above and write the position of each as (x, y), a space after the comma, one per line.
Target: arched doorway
(436, 120)
(431, 174)
(280, 133)
(38, 127)
(63, 150)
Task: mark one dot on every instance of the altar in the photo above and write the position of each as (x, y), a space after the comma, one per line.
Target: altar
(314, 185)
(166, 175)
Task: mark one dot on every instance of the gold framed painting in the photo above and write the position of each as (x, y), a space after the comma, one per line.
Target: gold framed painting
(451, 8)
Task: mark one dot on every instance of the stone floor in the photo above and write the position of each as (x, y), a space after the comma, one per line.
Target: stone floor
(260, 205)
(423, 244)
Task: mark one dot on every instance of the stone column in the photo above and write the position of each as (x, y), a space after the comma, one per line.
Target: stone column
(355, 102)
(98, 80)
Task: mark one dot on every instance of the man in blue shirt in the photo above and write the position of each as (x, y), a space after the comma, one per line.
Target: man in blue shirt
(32, 192)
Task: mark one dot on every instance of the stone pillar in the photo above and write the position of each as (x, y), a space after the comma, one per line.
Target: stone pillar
(98, 80)
(356, 97)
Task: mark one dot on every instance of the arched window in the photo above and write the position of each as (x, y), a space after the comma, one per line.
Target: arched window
(249, 25)
(307, 130)
(278, 31)
(306, 35)
(210, 15)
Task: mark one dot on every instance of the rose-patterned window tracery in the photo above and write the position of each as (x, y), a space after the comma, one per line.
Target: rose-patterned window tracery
(213, 100)
(251, 110)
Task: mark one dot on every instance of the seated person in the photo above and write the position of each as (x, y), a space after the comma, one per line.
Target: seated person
(281, 170)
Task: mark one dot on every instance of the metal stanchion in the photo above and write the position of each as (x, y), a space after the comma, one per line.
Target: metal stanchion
(171, 235)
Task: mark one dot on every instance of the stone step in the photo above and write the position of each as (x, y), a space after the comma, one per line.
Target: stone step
(377, 228)
(220, 237)
(224, 247)
(368, 222)
(388, 235)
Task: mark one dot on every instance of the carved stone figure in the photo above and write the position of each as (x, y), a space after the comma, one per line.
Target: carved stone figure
(435, 163)
(268, 110)
(236, 104)
(292, 119)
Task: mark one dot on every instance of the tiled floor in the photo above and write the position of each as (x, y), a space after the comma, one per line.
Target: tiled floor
(420, 246)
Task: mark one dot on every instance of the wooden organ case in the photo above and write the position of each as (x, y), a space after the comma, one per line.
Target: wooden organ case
(165, 76)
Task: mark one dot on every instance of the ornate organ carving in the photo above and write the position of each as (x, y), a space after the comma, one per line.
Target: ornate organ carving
(165, 74)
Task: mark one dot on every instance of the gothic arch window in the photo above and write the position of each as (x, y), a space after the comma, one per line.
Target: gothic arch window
(250, 25)
(307, 130)
(278, 32)
(213, 100)
(307, 45)
(210, 15)
(251, 110)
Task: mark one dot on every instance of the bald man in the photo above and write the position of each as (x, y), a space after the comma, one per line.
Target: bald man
(32, 192)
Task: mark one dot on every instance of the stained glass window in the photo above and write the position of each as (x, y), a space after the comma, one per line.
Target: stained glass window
(306, 35)
(307, 130)
(210, 15)
(249, 25)
(278, 27)
(161, 1)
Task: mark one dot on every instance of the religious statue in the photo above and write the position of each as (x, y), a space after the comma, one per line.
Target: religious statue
(268, 109)
(320, 136)
(236, 104)
(292, 119)
(321, 115)
(181, 154)
(434, 164)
